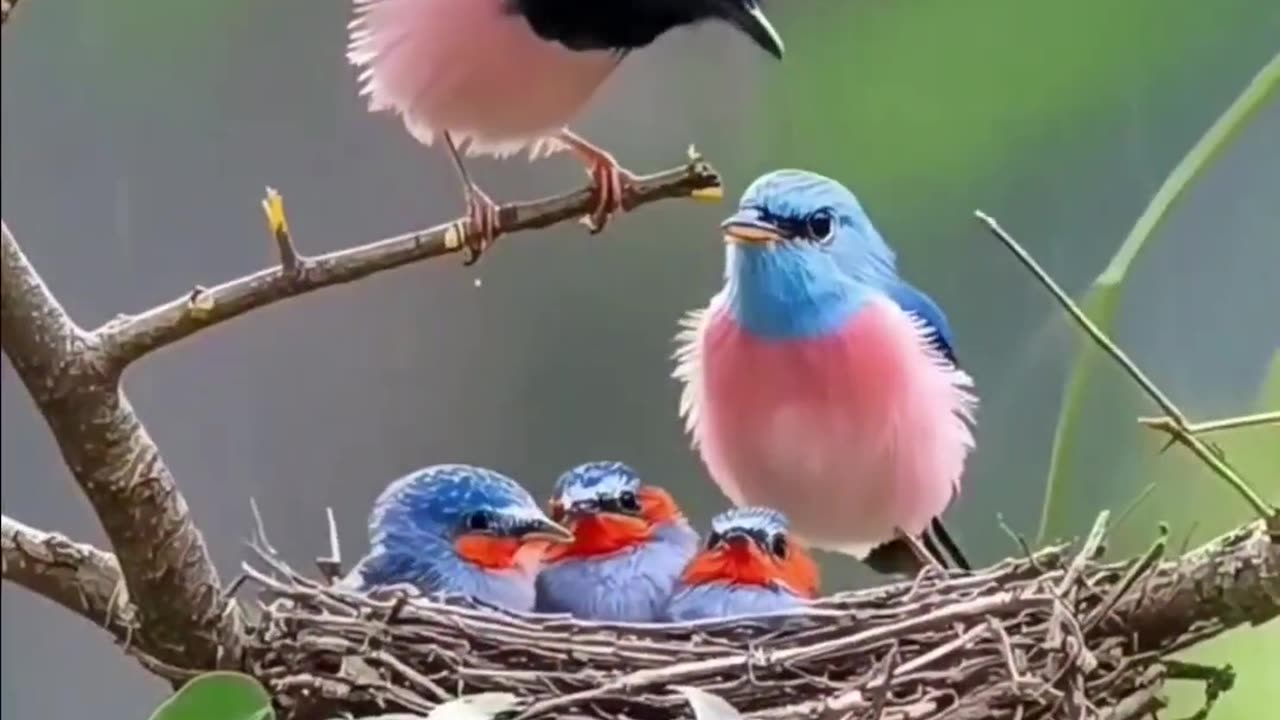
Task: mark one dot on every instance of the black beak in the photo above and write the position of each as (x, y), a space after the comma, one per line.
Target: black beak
(747, 17)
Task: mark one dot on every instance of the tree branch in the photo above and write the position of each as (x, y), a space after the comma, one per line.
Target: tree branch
(161, 553)
(127, 339)
(77, 576)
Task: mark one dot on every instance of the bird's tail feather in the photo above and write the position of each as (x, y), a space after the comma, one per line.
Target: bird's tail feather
(899, 557)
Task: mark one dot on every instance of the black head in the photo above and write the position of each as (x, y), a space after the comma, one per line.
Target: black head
(625, 25)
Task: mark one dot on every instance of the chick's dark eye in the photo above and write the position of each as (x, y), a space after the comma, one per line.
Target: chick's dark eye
(779, 546)
(713, 540)
(819, 225)
(478, 522)
(627, 500)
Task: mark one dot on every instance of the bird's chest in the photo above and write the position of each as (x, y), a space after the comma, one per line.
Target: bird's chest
(477, 69)
(627, 586)
(798, 408)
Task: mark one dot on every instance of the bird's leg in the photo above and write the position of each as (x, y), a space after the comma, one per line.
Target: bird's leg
(482, 213)
(613, 182)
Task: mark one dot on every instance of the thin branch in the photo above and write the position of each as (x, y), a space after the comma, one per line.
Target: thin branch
(162, 555)
(127, 339)
(79, 577)
(1176, 422)
(1212, 426)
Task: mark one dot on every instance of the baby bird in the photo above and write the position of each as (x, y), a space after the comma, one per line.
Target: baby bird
(500, 76)
(457, 530)
(750, 566)
(630, 543)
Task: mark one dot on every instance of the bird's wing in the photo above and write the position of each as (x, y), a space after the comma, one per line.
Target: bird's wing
(381, 567)
(923, 307)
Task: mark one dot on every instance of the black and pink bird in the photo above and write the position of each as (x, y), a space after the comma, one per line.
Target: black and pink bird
(499, 77)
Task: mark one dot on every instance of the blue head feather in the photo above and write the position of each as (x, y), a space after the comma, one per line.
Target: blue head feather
(437, 503)
(417, 519)
(785, 289)
(594, 481)
(747, 519)
(796, 284)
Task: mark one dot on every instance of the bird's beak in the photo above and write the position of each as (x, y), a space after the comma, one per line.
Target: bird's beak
(745, 230)
(747, 17)
(545, 530)
(582, 508)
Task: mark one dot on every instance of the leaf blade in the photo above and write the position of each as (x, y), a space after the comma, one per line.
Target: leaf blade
(1103, 298)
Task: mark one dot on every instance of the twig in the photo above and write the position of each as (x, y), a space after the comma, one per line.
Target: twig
(1139, 569)
(1212, 426)
(1133, 505)
(331, 565)
(126, 339)
(79, 577)
(278, 226)
(1217, 680)
(886, 684)
(1175, 423)
(260, 528)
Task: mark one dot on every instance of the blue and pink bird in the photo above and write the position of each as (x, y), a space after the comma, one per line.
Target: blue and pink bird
(818, 382)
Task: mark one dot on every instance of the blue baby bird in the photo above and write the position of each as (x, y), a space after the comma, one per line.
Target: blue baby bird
(457, 530)
(750, 566)
(630, 542)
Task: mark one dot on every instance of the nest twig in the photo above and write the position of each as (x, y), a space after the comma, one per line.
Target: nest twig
(1056, 634)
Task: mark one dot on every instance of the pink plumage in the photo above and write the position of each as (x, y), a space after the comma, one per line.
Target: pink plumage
(851, 435)
(474, 69)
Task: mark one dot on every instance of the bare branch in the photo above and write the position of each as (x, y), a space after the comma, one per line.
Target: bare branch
(127, 339)
(79, 577)
(1212, 426)
(1175, 423)
(161, 553)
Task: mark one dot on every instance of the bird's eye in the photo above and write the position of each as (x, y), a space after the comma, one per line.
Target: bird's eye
(627, 501)
(713, 539)
(819, 225)
(478, 522)
(779, 546)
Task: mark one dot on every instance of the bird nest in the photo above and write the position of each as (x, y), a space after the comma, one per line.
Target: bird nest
(1057, 633)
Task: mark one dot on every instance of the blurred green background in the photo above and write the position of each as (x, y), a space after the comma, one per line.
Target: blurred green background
(137, 137)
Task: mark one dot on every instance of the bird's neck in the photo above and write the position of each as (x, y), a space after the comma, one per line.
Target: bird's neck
(601, 536)
(779, 298)
(740, 566)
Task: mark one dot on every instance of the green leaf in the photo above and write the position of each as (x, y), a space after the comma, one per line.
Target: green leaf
(218, 696)
(1103, 298)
